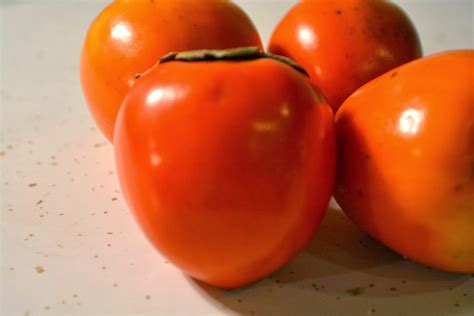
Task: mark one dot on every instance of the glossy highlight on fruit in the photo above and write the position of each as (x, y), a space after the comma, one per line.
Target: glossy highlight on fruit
(406, 164)
(128, 37)
(228, 166)
(345, 43)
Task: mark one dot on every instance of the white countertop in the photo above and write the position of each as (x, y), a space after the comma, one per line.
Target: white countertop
(69, 245)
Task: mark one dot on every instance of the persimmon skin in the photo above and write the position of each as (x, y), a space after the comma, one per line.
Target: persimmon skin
(227, 181)
(128, 37)
(406, 165)
(343, 44)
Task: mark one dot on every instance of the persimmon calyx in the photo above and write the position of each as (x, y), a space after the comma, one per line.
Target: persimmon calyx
(232, 54)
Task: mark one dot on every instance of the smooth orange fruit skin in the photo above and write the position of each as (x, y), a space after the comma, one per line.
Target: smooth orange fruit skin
(343, 44)
(227, 181)
(406, 165)
(129, 37)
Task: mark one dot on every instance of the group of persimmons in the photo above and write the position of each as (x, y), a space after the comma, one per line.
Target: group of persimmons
(228, 155)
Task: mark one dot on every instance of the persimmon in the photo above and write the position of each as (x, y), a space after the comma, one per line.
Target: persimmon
(406, 164)
(128, 37)
(345, 43)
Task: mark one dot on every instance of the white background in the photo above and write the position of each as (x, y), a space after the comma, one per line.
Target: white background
(94, 257)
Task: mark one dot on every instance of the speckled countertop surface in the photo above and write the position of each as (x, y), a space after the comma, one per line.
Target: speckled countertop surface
(69, 245)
